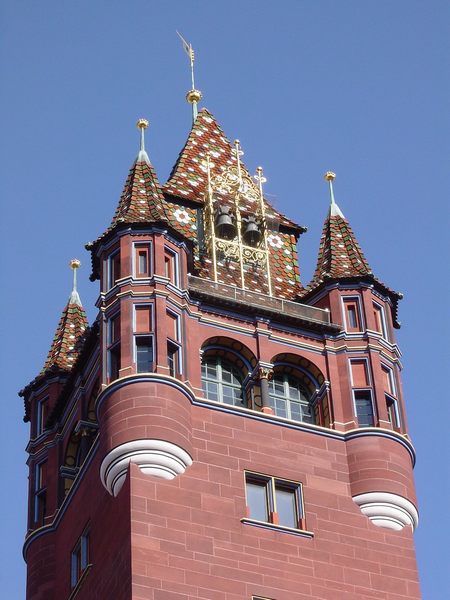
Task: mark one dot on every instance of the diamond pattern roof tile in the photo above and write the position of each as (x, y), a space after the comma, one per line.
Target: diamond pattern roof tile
(67, 341)
(188, 178)
(341, 257)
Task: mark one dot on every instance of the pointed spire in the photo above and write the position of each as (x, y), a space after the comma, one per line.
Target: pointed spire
(188, 179)
(335, 211)
(74, 296)
(141, 201)
(340, 255)
(65, 346)
(142, 125)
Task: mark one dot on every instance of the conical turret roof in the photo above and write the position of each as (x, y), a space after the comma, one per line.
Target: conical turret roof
(66, 344)
(341, 258)
(141, 201)
(340, 255)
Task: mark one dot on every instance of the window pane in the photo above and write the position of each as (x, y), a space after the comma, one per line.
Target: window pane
(144, 354)
(352, 321)
(143, 268)
(364, 409)
(286, 507)
(257, 501)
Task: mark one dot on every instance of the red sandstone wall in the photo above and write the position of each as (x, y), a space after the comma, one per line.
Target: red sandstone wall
(48, 557)
(188, 541)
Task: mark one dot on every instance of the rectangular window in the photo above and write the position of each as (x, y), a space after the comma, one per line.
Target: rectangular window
(41, 416)
(173, 359)
(388, 378)
(380, 320)
(171, 266)
(364, 407)
(173, 326)
(114, 347)
(113, 269)
(359, 373)
(392, 411)
(143, 318)
(274, 500)
(142, 260)
(40, 493)
(79, 559)
(144, 353)
(352, 314)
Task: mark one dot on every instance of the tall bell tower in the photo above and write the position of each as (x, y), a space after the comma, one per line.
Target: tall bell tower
(221, 431)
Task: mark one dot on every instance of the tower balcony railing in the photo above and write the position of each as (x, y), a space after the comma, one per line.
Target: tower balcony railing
(254, 301)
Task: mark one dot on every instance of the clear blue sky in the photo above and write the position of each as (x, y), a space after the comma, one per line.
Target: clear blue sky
(358, 87)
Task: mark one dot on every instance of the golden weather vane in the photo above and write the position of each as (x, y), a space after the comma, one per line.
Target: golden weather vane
(193, 96)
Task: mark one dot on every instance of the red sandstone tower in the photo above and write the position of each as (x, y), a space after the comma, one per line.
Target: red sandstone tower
(220, 432)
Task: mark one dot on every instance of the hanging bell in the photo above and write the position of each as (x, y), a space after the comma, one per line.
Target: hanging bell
(225, 227)
(252, 233)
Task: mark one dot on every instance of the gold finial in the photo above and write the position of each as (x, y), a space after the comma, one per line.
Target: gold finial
(329, 176)
(193, 96)
(142, 124)
(75, 264)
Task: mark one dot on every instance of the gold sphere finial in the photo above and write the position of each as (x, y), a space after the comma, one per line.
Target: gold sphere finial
(193, 96)
(329, 176)
(75, 264)
(142, 124)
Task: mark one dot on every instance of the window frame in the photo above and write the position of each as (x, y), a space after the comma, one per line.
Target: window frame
(285, 376)
(174, 342)
(138, 335)
(379, 309)
(271, 483)
(356, 300)
(220, 382)
(174, 277)
(360, 391)
(111, 279)
(148, 246)
(113, 346)
(151, 345)
(79, 559)
(41, 415)
(39, 493)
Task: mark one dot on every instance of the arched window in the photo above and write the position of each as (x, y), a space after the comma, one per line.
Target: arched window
(289, 398)
(222, 381)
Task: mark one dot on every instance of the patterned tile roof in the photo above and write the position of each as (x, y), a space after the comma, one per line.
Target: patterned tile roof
(67, 341)
(339, 252)
(142, 200)
(188, 178)
(340, 257)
